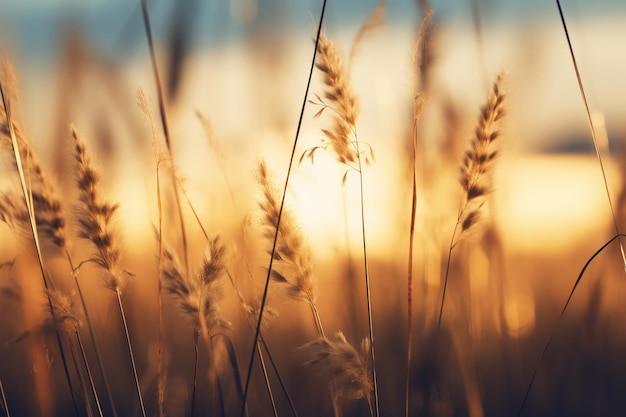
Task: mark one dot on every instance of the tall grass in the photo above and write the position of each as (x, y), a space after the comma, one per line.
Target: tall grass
(226, 258)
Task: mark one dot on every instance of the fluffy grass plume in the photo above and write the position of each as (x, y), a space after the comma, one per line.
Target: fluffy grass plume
(198, 296)
(476, 171)
(340, 100)
(95, 223)
(337, 360)
(95, 217)
(477, 161)
(294, 269)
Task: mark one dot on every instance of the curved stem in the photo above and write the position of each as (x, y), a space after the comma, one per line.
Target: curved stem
(567, 302)
(593, 132)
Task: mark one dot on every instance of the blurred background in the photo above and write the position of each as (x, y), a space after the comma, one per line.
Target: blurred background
(243, 66)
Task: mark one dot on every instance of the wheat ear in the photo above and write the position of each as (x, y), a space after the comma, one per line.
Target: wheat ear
(51, 225)
(343, 141)
(476, 172)
(294, 269)
(94, 220)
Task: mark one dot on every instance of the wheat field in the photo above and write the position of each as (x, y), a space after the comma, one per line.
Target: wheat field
(392, 210)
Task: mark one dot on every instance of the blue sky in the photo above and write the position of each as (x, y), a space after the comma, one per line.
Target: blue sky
(34, 27)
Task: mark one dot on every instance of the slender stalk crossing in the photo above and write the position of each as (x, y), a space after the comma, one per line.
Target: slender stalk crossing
(593, 131)
(280, 213)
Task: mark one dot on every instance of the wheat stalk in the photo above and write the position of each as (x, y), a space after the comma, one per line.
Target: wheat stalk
(343, 142)
(66, 321)
(28, 200)
(144, 105)
(51, 225)
(476, 172)
(94, 220)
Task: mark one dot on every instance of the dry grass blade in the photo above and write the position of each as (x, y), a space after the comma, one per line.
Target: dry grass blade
(144, 105)
(251, 314)
(266, 379)
(592, 129)
(567, 302)
(3, 397)
(271, 261)
(166, 131)
(476, 172)
(418, 105)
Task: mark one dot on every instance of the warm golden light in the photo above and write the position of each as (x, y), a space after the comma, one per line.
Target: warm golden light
(519, 315)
